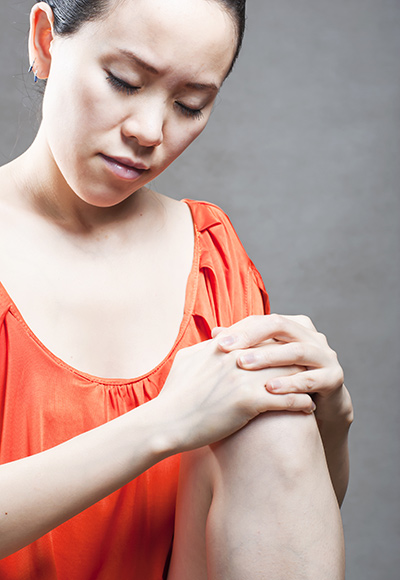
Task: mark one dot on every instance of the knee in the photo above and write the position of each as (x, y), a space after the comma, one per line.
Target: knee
(282, 445)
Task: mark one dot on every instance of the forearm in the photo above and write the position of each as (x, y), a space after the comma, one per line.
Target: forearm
(206, 398)
(40, 492)
(334, 421)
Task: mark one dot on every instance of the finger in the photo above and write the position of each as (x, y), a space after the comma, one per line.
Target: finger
(253, 330)
(301, 319)
(274, 373)
(217, 330)
(288, 402)
(311, 381)
(282, 354)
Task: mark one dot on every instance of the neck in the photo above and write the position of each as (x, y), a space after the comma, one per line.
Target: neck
(41, 186)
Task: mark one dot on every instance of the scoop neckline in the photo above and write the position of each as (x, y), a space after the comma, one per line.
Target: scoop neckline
(190, 297)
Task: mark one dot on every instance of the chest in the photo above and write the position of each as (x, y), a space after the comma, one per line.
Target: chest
(110, 314)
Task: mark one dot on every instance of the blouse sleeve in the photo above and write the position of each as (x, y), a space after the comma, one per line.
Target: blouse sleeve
(230, 286)
(257, 297)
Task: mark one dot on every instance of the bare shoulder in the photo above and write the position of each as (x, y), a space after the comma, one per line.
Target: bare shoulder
(178, 213)
(8, 195)
(169, 203)
(6, 183)
(11, 194)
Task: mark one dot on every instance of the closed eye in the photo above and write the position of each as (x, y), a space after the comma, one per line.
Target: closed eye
(188, 111)
(121, 86)
(124, 87)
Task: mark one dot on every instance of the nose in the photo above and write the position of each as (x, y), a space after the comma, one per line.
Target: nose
(145, 123)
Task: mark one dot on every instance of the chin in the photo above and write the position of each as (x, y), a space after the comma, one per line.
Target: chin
(105, 197)
(105, 201)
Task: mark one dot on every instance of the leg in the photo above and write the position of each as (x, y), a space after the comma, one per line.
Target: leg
(259, 505)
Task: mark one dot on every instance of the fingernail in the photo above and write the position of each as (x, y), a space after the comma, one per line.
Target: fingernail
(227, 341)
(275, 385)
(247, 359)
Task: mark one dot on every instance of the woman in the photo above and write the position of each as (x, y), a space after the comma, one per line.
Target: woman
(112, 280)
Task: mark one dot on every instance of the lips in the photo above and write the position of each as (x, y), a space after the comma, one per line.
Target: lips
(124, 168)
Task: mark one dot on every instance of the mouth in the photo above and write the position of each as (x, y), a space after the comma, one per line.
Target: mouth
(124, 168)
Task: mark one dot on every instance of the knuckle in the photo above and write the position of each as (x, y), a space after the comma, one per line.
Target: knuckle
(340, 376)
(303, 320)
(249, 326)
(291, 401)
(306, 321)
(299, 351)
(335, 361)
(279, 322)
(275, 318)
(334, 356)
(309, 383)
(322, 338)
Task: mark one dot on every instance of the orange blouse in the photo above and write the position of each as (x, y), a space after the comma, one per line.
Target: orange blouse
(44, 402)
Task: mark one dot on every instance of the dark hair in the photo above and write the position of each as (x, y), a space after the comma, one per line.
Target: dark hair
(237, 9)
(70, 15)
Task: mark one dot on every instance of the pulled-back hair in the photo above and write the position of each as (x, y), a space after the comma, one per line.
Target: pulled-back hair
(237, 10)
(70, 15)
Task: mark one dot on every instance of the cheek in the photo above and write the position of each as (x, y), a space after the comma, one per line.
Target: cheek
(97, 109)
(180, 136)
(91, 115)
(78, 111)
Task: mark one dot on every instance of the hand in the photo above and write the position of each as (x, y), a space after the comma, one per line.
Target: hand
(277, 341)
(280, 341)
(207, 396)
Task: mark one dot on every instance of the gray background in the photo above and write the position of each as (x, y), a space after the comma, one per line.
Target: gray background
(302, 152)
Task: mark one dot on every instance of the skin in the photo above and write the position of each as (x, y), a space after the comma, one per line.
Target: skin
(259, 505)
(62, 201)
(285, 340)
(63, 189)
(155, 126)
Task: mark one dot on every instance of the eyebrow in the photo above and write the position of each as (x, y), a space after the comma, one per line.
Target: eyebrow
(144, 65)
(203, 87)
(207, 87)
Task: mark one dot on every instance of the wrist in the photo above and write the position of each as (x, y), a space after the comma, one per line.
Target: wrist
(167, 437)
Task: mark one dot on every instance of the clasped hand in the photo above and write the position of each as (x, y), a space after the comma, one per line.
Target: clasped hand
(262, 363)
(283, 341)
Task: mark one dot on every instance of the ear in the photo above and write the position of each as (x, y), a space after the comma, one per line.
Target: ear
(41, 36)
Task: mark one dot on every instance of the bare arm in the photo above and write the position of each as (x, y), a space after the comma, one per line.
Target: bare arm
(277, 340)
(40, 492)
(334, 418)
(206, 398)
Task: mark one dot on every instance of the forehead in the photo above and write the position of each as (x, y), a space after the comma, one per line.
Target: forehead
(198, 36)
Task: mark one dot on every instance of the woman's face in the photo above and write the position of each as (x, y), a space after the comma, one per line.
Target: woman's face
(127, 94)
